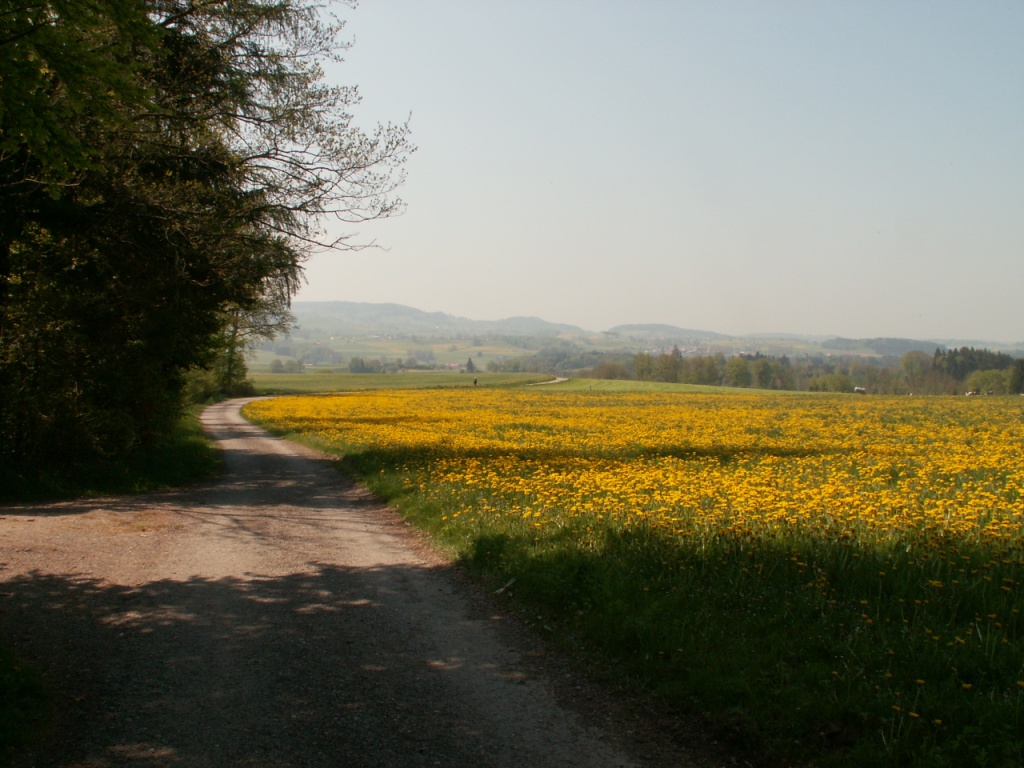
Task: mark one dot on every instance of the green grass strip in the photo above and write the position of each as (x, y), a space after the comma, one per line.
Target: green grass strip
(187, 456)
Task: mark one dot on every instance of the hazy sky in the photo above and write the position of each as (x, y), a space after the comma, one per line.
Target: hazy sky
(852, 168)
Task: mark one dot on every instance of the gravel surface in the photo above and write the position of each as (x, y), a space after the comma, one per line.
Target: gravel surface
(283, 617)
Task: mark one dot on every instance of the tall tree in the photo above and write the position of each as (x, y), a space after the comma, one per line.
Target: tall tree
(1015, 382)
(737, 372)
(58, 61)
(189, 194)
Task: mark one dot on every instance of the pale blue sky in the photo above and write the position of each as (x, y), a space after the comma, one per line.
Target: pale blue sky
(852, 168)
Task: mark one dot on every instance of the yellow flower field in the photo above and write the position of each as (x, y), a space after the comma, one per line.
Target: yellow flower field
(874, 469)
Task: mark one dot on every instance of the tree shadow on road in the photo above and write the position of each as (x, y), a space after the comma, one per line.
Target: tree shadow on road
(305, 669)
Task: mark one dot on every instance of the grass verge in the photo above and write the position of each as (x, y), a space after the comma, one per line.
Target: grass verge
(187, 456)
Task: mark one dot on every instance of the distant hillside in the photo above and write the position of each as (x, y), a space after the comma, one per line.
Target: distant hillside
(885, 347)
(666, 333)
(360, 319)
(351, 318)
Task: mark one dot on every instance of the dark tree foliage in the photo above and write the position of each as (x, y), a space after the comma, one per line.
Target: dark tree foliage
(58, 62)
(1015, 386)
(961, 363)
(159, 213)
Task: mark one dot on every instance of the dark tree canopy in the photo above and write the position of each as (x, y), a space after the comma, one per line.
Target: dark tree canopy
(165, 168)
(960, 363)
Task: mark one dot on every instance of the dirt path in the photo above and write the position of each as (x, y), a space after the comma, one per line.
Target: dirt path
(279, 617)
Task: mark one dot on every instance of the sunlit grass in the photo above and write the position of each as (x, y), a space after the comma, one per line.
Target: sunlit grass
(318, 380)
(836, 578)
(626, 385)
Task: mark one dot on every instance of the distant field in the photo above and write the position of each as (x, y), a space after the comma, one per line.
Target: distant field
(433, 351)
(836, 580)
(318, 381)
(458, 351)
(606, 385)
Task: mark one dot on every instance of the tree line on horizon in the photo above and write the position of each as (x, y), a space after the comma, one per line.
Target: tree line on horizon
(947, 371)
(953, 371)
(165, 169)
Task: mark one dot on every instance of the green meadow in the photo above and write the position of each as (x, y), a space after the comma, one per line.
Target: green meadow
(325, 380)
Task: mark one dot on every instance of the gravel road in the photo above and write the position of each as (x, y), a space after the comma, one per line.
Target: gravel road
(281, 617)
